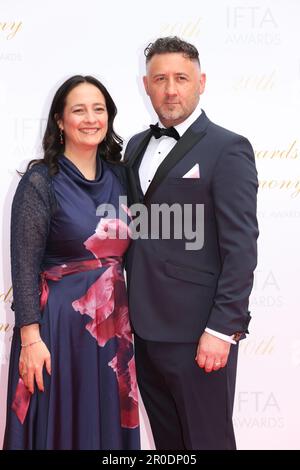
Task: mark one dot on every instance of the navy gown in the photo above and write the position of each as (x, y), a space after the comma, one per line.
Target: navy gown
(67, 273)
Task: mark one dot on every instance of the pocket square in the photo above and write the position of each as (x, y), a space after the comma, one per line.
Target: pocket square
(193, 172)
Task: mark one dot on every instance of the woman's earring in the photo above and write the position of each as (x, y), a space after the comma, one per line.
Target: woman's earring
(61, 137)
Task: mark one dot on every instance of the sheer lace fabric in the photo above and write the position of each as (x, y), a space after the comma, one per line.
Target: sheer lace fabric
(33, 205)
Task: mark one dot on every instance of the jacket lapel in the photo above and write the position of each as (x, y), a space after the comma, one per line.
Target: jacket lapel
(132, 164)
(193, 135)
(140, 149)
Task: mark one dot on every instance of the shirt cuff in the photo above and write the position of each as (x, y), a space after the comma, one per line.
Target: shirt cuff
(227, 338)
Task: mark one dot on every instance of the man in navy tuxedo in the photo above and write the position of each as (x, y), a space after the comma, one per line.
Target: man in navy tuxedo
(189, 307)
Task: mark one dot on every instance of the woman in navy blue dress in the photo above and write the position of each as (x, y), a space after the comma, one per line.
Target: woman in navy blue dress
(72, 381)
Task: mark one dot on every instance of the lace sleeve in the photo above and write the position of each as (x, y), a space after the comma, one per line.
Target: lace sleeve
(31, 213)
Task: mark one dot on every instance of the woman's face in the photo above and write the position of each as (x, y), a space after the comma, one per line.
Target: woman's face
(85, 118)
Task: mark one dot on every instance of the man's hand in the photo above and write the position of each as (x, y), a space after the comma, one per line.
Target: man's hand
(212, 352)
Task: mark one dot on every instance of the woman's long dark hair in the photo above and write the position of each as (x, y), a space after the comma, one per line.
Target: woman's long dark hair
(109, 149)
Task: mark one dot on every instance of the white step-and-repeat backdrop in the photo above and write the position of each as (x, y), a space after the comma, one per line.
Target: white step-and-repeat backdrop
(250, 52)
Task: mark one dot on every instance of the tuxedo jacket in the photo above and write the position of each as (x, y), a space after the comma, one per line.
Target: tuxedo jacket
(174, 293)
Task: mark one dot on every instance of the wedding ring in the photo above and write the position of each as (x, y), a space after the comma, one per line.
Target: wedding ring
(217, 363)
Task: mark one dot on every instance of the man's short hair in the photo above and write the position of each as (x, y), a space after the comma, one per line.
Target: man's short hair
(171, 44)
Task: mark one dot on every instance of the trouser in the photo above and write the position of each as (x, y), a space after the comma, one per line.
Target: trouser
(187, 407)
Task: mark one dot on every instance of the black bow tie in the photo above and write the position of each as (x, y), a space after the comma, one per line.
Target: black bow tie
(158, 132)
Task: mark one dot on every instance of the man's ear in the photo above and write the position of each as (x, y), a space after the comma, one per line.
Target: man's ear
(145, 81)
(202, 83)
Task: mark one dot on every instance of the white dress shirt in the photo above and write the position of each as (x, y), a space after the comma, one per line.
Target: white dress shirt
(158, 149)
(155, 153)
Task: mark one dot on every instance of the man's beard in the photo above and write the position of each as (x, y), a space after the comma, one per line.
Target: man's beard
(171, 115)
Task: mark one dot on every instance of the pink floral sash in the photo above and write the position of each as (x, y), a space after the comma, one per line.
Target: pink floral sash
(106, 303)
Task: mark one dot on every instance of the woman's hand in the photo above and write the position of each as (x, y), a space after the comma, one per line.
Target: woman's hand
(34, 354)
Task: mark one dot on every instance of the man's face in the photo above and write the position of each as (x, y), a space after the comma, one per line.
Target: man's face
(174, 84)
